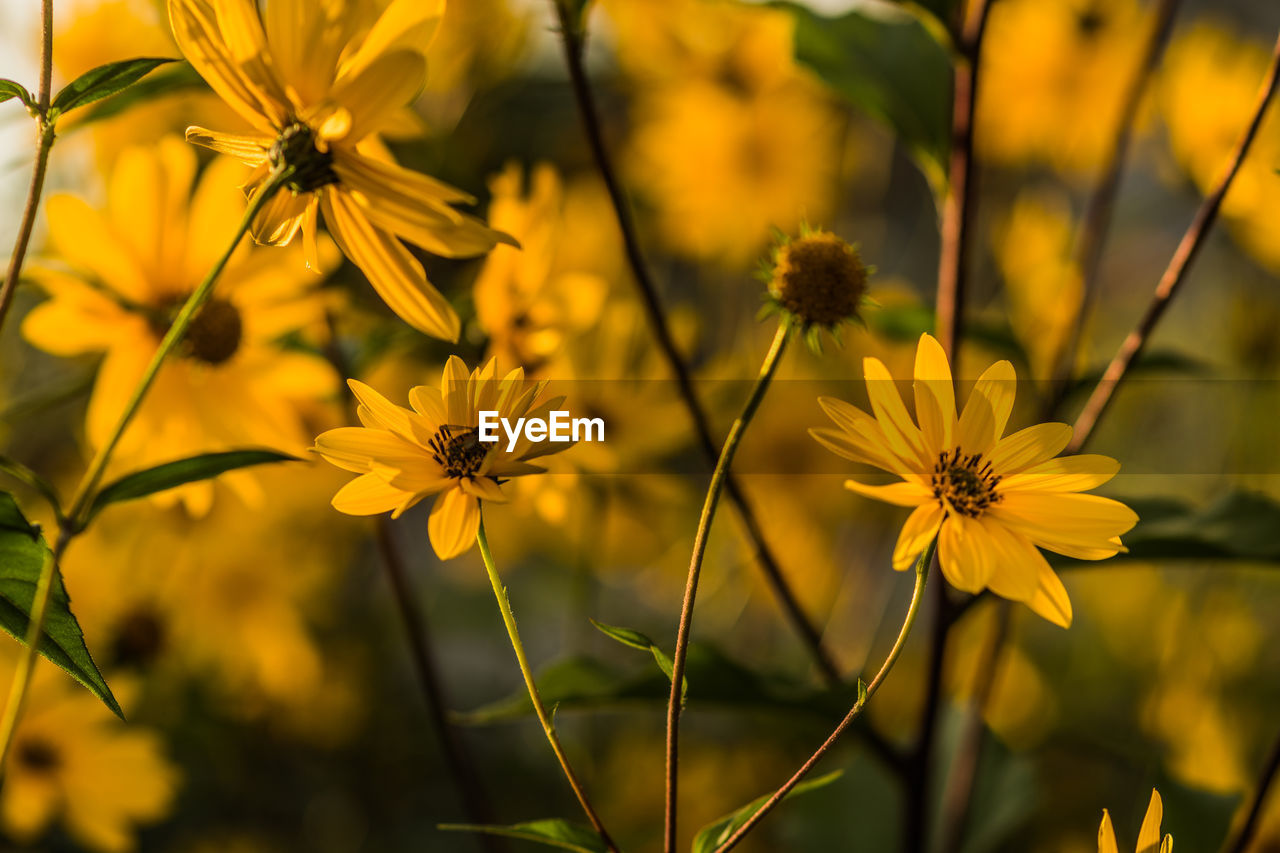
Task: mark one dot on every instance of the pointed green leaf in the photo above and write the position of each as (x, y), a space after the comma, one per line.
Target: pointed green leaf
(23, 552)
(887, 63)
(1238, 525)
(23, 474)
(634, 639)
(104, 81)
(552, 832)
(714, 834)
(179, 78)
(170, 475)
(14, 89)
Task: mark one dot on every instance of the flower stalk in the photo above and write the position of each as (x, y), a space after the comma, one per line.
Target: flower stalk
(718, 479)
(923, 565)
(548, 725)
(76, 516)
(44, 144)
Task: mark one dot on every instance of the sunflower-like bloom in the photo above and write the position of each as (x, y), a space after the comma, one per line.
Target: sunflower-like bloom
(403, 455)
(318, 81)
(1149, 840)
(990, 501)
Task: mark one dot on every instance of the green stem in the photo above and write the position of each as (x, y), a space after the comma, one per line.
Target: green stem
(44, 144)
(917, 595)
(718, 478)
(84, 492)
(548, 726)
(75, 517)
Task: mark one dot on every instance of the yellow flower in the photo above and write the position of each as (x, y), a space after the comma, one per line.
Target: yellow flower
(319, 82)
(528, 302)
(990, 501)
(130, 266)
(1054, 79)
(72, 759)
(1148, 837)
(403, 456)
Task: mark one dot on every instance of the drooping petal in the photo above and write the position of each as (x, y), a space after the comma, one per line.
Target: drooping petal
(906, 493)
(964, 554)
(393, 272)
(1106, 835)
(1065, 474)
(1050, 600)
(919, 530)
(1149, 835)
(280, 218)
(367, 494)
(935, 395)
(987, 410)
(1028, 447)
(454, 522)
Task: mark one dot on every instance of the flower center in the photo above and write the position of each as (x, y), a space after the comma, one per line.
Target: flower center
(213, 336)
(459, 452)
(139, 638)
(312, 167)
(819, 279)
(966, 484)
(37, 754)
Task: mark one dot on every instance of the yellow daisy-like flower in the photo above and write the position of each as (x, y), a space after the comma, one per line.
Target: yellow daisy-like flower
(319, 81)
(990, 501)
(71, 759)
(403, 455)
(1149, 840)
(116, 276)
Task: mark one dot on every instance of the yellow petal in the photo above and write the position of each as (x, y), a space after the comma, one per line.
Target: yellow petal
(1050, 600)
(1015, 570)
(1029, 446)
(1149, 835)
(393, 272)
(426, 402)
(455, 391)
(359, 449)
(368, 494)
(921, 527)
(964, 554)
(82, 236)
(382, 412)
(1106, 835)
(484, 488)
(250, 149)
(901, 434)
(454, 522)
(280, 218)
(373, 94)
(842, 444)
(935, 394)
(899, 494)
(987, 411)
(405, 24)
(1066, 523)
(1065, 474)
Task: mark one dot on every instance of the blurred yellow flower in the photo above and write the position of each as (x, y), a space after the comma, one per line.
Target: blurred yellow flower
(1042, 286)
(319, 83)
(479, 42)
(72, 760)
(1148, 837)
(129, 267)
(990, 501)
(527, 301)
(1208, 90)
(1054, 79)
(731, 139)
(403, 456)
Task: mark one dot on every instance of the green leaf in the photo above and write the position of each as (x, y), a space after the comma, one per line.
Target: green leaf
(552, 832)
(886, 62)
(1238, 525)
(173, 474)
(13, 89)
(23, 474)
(179, 78)
(714, 834)
(636, 640)
(23, 552)
(104, 81)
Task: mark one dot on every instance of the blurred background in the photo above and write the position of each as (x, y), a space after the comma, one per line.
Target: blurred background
(251, 633)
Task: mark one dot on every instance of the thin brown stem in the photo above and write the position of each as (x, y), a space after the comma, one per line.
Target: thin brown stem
(1269, 772)
(573, 40)
(718, 478)
(1092, 234)
(959, 203)
(457, 757)
(44, 144)
(1175, 274)
(920, 760)
(917, 595)
(964, 766)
